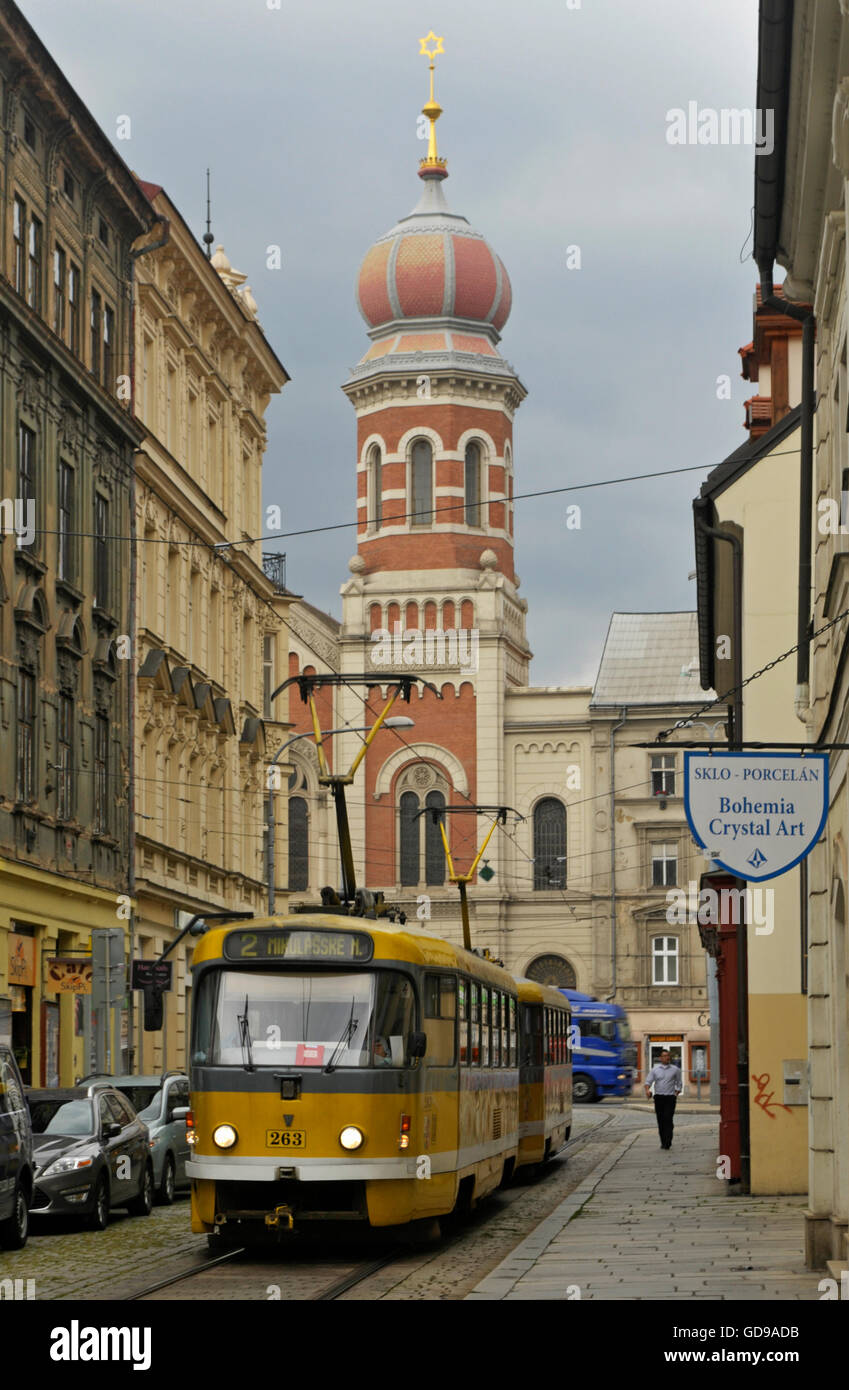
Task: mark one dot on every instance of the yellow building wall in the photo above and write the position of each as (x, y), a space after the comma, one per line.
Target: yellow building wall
(778, 1031)
(763, 502)
(50, 905)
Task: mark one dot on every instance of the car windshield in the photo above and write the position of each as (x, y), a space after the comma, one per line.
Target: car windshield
(62, 1116)
(305, 1020)
(145, 1100)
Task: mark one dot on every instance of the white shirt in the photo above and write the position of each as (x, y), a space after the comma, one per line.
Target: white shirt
(666, 1078)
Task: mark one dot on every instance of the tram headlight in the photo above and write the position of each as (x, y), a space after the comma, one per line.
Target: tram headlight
(351, 1137)
(224, 1136)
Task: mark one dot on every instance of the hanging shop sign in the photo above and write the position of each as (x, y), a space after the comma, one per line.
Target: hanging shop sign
(756, 814)
(69, 974)
(21, 960)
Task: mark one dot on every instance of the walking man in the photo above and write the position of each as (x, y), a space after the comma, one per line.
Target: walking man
(667, 1087)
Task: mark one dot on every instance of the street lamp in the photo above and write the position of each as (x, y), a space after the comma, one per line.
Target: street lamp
(398, 721)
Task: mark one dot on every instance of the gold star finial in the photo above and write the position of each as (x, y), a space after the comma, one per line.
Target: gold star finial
(432, 109)
(423, 45)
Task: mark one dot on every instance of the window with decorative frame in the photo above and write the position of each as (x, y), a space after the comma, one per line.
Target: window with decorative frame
(549, 844)
(664, 865)
(664, 960)
(421, 855)
(472, 485)
(421, 483)
(375, 488)
(299, 836)
(26, 478)
(100, 824)
(662, 774)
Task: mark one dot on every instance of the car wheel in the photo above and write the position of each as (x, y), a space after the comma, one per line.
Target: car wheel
(99, 1218)
(583, 1089)
(168, 1184)
(143, 1204)
(15, 1229)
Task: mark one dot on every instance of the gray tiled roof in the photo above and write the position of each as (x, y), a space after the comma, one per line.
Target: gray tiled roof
(643, 659)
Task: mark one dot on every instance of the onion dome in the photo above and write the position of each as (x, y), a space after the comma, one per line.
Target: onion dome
(434, 265)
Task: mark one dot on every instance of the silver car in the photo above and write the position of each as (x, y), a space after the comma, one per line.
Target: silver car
(162, 1102)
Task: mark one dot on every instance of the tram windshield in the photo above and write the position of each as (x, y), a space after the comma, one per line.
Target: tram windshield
(306, 1020)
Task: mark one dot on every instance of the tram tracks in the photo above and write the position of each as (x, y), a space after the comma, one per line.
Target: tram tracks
(307, 1274)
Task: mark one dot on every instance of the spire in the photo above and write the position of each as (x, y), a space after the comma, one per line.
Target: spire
(432, 167)
(207, 236)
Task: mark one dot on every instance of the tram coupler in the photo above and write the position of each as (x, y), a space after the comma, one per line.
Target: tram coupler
(280, 1215)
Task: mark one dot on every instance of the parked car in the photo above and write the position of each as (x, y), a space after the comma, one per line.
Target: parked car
(16, 1156)
(163, 1103)
(92, 1153)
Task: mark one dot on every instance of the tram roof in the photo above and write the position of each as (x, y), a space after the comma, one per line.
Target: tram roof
(532, 992)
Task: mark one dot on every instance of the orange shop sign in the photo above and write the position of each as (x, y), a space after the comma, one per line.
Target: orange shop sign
(21, 959)
(69, 974)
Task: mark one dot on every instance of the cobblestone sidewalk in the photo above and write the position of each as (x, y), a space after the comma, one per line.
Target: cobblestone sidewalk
(654, 1224)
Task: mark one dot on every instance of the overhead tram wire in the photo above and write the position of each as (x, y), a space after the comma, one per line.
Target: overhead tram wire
(724, 698)
(221, 546)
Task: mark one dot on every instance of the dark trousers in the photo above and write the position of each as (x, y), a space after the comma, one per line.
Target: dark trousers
(664, 1109)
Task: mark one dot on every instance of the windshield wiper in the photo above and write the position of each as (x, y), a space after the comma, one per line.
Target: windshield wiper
(347, 1034)
(245, 1037)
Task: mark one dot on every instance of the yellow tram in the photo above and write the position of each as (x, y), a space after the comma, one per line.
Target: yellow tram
(343, 1070)
(346, 1069)
(545, 1073)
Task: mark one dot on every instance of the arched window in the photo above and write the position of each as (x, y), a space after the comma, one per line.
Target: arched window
(473, 485)
(418, 835)
(421, 484)
(552, 970)
(375, 483)
(434, 850)
(299, 846)
(549, 844)
(410, 833)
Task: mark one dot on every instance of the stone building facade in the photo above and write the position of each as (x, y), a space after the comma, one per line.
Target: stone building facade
(804, 62)
(72, 214)
(209, 620)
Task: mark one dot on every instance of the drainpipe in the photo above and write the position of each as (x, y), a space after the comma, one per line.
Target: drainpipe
(611, 758)
(742, 952)
(802, 314)
(135, 252)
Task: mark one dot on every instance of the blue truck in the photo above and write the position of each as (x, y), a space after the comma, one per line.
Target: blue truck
(603, 1055)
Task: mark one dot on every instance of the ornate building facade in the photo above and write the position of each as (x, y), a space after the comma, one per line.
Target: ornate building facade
(72, 214)
(209, 619)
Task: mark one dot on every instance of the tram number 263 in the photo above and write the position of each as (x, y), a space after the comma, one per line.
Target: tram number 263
(285, 1138)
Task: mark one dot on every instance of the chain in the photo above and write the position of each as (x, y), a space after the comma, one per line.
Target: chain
(721, 699)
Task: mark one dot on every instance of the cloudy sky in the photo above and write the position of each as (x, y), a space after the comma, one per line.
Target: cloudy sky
(554, 126)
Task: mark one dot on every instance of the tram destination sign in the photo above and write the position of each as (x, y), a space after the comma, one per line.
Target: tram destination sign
(756, 814)
(298, 943)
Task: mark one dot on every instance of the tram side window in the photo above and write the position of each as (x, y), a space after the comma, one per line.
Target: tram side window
(496, 1028)
(485, 1052)
(440, 1014)
(203, 1016)
(475, 1029)
(514, 1037)
(505, 1033)
(463, 1018)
